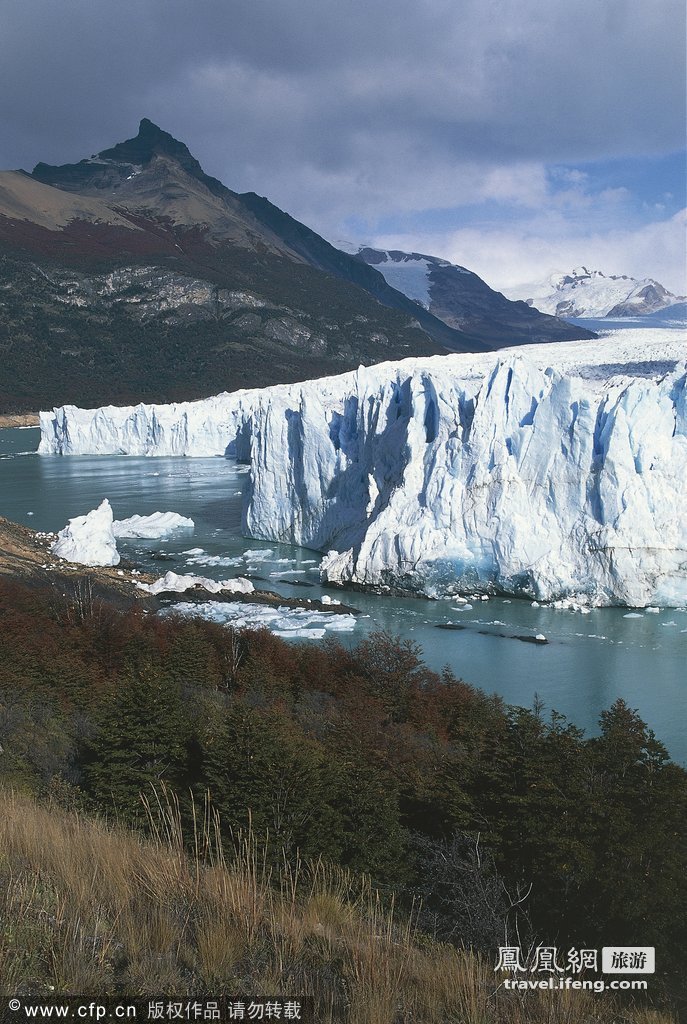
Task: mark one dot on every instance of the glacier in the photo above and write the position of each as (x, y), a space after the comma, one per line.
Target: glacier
(558, 472)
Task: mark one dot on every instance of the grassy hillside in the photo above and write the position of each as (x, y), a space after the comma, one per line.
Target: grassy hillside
(481, 824)
(87, 907)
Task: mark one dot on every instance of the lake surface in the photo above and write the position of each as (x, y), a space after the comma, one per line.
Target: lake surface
(590, 660)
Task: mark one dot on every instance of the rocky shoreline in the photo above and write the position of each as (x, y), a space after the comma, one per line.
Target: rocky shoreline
(19, 419)
(25, 556)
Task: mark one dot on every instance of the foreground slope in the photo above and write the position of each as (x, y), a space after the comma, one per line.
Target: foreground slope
(457, 473)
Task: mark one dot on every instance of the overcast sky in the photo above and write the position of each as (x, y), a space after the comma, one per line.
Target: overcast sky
(514, 137)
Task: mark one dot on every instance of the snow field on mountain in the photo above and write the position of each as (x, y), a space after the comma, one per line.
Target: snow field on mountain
(409, 276)
(584, 293)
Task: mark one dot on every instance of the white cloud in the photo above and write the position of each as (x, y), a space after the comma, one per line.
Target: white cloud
(520, 254)
(368, 111)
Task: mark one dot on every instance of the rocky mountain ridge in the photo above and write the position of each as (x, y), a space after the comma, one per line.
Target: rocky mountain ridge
(132, 275)
(463, 301)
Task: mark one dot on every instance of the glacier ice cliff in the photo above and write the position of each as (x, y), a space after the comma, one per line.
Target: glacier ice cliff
(493, 472)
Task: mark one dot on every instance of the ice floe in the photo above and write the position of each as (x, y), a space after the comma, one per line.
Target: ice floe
(173, 582)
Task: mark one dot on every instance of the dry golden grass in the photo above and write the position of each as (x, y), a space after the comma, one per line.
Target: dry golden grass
(86, 907)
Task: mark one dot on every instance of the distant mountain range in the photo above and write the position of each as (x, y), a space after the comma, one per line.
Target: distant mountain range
(133, 275)
(462, 300)
(591, 293)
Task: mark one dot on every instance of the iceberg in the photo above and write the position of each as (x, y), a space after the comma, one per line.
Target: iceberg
(153, 527)
(89, 539)
(285, 622)
(174, 583)
(555, 472)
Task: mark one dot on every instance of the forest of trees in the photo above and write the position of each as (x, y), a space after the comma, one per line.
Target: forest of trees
(497, 817)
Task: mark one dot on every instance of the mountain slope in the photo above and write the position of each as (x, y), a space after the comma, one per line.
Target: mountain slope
(463, 301)
(591, 293)
(133, 275)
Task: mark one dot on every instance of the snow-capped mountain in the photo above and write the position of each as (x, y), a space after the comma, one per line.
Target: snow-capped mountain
(460, 473)
(591, 293)
(462, 300)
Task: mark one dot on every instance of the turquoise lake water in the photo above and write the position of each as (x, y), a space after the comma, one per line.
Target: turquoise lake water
(590, 660)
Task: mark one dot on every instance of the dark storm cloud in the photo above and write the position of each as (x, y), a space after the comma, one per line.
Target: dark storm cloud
(364, 104)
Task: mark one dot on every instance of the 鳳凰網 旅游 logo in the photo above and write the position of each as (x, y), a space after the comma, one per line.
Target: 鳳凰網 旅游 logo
(628, 960)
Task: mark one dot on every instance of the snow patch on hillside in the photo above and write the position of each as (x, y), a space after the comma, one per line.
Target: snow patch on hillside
(409, 274)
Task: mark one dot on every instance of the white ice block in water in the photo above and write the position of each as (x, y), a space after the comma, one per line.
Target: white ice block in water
(173, 582)
(89, 539)
(153, 527)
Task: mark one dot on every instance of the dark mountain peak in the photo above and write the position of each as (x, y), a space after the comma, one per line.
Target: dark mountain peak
(152, 141)
(108, 168)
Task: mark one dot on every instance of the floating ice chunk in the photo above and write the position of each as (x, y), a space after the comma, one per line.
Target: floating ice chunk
(285, 621)
(259, 555)
(633, 615)
(221, 561)
(153, 527)
(652, 610)
(89, 539)
(300, 634)
(175, 583)
(326, 599)
(194, 551)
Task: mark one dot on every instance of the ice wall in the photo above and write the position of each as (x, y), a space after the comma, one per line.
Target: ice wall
(493, 472)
